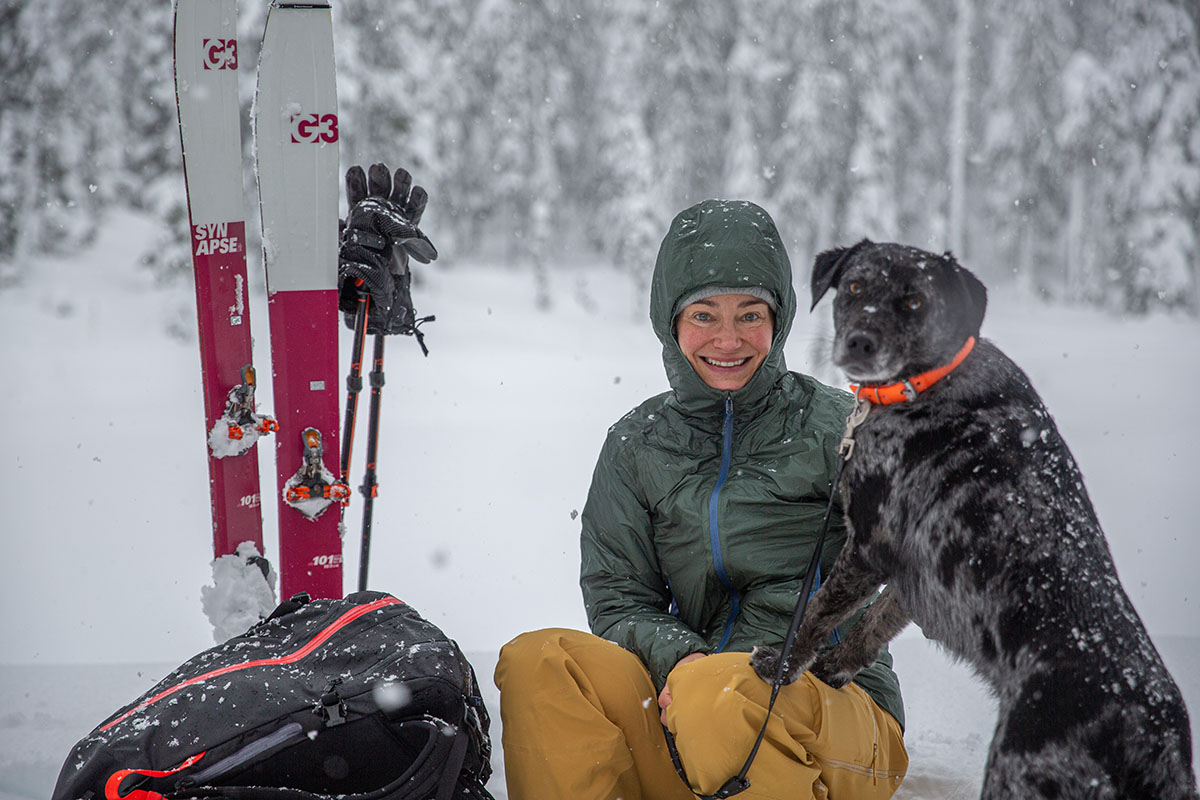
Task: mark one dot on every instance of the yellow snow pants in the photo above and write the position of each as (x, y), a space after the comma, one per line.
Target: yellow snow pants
(581, 722)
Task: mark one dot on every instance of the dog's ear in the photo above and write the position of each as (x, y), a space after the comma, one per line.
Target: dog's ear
(973, 296)
(827, 269)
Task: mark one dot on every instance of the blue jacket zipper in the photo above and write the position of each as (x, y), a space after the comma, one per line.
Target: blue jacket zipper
(714, 535)
(714, 532)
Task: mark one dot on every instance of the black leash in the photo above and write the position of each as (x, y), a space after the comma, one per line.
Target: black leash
(739, 783)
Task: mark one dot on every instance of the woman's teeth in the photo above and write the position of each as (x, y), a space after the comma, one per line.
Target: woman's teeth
(716, 363)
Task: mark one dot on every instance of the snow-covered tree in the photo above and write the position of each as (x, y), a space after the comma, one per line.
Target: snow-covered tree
(629, 217)
(1156, 159)
(687, 112)
(61, 129)
(1031, 43)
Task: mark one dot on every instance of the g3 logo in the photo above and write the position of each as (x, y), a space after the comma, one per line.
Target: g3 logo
(220, 53)
(313, 128)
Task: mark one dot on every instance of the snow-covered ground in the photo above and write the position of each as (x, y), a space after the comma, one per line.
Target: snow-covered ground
(487, 450)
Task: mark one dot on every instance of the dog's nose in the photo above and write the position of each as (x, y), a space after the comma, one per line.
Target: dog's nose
(859, 344)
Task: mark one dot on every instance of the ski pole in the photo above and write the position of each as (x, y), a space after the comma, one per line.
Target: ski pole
(354, 382)
(370, 487)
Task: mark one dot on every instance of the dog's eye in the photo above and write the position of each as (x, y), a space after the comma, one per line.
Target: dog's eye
(854, 287)
(912, 303)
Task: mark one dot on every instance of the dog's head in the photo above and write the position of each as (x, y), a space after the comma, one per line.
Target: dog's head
(899, 311)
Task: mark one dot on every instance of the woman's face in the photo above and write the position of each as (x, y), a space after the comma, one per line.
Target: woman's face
(725, 338)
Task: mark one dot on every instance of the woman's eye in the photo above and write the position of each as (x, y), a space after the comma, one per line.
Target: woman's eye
(912, 303)
(854, 287)
(701, 316)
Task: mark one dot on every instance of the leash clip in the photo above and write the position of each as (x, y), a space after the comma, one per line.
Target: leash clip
(861, 409)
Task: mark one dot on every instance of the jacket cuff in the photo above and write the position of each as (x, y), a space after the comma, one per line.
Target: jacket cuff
(668, 647)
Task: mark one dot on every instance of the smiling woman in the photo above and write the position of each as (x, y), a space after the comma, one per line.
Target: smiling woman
(704, 511)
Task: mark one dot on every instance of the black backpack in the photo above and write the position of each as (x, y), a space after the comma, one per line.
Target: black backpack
(359, 699)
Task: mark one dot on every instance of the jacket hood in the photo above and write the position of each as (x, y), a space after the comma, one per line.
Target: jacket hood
(720, 243)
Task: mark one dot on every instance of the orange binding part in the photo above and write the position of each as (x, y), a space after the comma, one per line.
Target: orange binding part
(906, 391)
(338, 491)
(297, 493)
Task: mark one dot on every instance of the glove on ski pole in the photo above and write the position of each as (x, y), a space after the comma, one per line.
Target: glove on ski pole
(379, 235)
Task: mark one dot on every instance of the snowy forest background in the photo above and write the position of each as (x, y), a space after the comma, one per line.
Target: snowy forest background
(1050, 144)
(1053, 145)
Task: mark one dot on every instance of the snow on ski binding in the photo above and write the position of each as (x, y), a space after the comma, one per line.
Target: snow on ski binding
(314, 488)
(239, 427)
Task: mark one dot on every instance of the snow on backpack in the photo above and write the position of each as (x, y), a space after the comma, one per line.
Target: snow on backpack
(359, 699)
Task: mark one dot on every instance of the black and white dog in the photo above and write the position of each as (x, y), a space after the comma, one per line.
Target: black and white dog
(962, 498)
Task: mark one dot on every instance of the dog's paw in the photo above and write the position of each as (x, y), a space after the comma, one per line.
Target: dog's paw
(827, 669)
(765, 661)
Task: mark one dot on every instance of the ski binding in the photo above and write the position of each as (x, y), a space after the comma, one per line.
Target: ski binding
(314, 488)
(239, 427)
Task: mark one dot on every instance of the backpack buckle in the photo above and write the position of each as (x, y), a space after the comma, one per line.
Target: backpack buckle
(333, 708)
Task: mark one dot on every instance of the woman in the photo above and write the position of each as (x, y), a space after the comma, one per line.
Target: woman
(704, 508)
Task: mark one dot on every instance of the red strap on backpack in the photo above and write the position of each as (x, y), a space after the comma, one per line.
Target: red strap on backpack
(112, 787)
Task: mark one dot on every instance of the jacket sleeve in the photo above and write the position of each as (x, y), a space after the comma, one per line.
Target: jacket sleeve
(625, 596)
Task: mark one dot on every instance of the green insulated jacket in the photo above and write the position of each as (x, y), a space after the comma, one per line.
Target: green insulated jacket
(705, 505)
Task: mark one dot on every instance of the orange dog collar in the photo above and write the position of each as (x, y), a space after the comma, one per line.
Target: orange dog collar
(906, 391)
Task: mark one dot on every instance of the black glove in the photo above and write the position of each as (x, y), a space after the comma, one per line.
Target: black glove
(379, 234)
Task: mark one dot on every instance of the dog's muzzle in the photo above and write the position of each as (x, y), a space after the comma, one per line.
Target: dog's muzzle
(859, 354)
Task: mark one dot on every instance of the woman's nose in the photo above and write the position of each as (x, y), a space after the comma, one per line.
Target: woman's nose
(727, 336)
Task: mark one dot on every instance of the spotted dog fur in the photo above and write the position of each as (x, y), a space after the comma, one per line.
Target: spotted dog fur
(968, 505)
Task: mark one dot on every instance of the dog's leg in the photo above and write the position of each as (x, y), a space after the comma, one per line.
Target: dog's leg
(878, 626)
(850, 585)
(1057, 771)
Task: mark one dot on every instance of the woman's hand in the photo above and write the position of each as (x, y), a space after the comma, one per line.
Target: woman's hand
(664, 697)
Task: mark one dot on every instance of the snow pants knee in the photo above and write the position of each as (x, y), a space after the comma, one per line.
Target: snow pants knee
(580, 720)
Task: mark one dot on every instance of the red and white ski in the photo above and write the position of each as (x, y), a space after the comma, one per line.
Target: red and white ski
(206, 90)
(296, 146)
